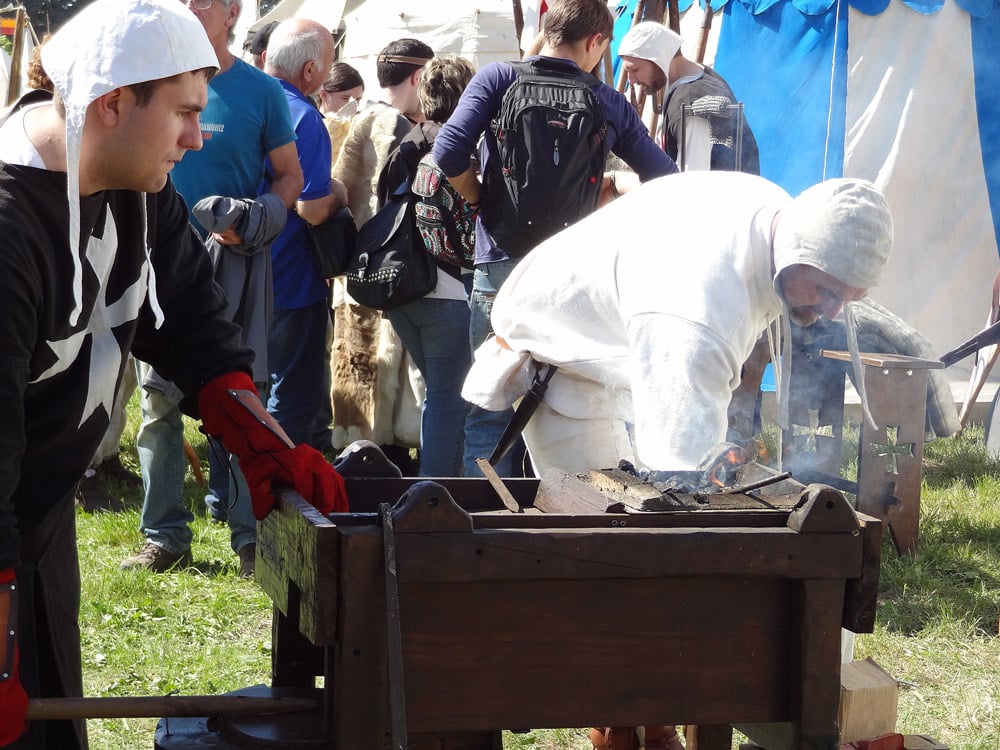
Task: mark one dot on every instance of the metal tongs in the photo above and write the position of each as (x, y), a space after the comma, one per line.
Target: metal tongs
(986, 337)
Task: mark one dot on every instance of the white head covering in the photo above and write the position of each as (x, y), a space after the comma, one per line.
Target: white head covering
(651, 41)
(107, 45)
(842, 227)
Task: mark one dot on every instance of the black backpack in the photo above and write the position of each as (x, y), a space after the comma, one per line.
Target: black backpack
(546, 156)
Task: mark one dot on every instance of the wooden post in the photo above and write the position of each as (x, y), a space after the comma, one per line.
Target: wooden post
(890, 456)
(706, 30)
(673, 16)
(14, 81)
(518, 23)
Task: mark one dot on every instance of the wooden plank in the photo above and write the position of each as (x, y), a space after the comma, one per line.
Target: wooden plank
(472, 494)
(814, 676)
(532, 518)
(559, 492)
(709, 737)
(360, 708)
(498, 486)
(575, 554)
(888, 471)
(297, 546)
(819, 657)
(861, 594)
(892, 361)
(610, 653)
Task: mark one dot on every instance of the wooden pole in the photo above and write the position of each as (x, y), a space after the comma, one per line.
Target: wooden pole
(14, 82)
(155, 706)
(518, 23)
(706, 30)
(673, 16)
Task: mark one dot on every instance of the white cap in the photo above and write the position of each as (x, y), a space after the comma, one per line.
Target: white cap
(651, 41)
(107, 45)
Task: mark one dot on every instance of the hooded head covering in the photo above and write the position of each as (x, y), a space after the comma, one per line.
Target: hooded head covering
(842, 227)
(651, 41)
(132, 41)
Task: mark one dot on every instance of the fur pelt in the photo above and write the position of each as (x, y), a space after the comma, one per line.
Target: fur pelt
(338, 128)
(373, 135)
(372, 386)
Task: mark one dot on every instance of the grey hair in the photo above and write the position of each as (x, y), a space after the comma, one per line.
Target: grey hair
(227, 4)
(288, 53)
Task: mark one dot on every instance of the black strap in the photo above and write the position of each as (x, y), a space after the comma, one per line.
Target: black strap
(522, 414)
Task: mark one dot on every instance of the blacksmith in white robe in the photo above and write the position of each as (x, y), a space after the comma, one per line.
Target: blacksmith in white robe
(650, 307)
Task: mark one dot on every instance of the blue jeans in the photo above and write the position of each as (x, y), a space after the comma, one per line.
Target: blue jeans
(296, 350)
(484, 428)
(436, 334)
(165, 518)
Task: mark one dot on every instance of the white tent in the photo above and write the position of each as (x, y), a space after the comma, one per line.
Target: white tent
(480, 30)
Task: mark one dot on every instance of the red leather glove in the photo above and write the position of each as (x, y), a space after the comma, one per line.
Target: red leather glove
(231, 411)
(13, 699)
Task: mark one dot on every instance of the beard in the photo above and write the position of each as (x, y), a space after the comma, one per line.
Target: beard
(803, 316)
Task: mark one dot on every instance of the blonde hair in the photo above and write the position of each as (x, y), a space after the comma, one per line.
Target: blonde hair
(441, 85)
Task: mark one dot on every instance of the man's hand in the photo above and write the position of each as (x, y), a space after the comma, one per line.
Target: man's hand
(13, 699)
(231, 411)
(228, 237)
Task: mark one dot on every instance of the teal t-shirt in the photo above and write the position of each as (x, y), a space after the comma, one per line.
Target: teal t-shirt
(245, 118)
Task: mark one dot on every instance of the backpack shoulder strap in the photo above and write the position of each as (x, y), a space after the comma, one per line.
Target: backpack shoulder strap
(540, 67)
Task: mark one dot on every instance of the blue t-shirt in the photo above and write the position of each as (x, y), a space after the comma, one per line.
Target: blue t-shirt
(245, 118)
(296, 282)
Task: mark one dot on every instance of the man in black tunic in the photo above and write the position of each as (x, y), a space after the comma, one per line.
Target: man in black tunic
(99, 260)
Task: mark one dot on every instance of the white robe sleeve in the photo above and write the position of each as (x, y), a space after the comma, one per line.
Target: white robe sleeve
(683, 378)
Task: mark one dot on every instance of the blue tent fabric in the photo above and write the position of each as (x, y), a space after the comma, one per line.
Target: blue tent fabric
(787, 90)
(986, 71)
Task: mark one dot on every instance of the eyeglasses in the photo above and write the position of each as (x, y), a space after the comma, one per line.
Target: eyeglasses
(198, 4)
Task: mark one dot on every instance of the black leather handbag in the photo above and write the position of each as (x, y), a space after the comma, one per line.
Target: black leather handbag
(391, 265)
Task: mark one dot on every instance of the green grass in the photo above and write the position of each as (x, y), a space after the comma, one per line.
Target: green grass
(207, 631)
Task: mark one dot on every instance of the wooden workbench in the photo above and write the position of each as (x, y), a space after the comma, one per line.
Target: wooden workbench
(532, 620)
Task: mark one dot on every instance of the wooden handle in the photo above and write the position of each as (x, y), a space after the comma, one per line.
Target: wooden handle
(155, 706)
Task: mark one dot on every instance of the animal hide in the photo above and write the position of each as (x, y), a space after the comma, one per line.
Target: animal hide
(372, 387)
(374, 134)
(338, 128)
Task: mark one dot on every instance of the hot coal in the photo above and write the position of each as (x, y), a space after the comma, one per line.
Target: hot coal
(718, 470)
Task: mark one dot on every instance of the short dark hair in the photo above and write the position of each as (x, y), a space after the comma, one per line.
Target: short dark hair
(393, 72)
(343, 77)
(569, 21)
(256, 41)
(442, 84)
